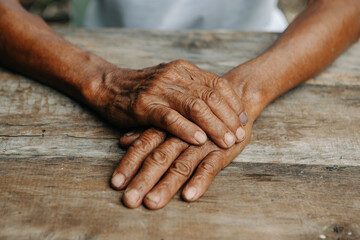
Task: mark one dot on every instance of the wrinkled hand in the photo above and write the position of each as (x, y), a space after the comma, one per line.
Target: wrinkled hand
(156, 166)
(177, 97)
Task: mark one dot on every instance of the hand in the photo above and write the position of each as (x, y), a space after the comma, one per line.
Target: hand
(177, 97)
(156, 166)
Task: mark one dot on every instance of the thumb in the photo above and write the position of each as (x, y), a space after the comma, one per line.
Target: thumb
(128, 138)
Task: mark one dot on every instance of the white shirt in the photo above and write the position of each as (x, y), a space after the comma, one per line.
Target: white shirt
(246, 15)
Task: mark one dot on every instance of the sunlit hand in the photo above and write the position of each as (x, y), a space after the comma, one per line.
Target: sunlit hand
(156, 166)
(177, 97)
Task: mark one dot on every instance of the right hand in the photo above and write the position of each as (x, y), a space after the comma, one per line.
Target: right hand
(177, 97)
(156, 166)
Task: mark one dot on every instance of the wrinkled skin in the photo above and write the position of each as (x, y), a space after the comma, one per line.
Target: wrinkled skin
(172, 160)
(177, 97)
(159, 156)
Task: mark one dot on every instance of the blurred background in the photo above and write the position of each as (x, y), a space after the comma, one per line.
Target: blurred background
(58, 12)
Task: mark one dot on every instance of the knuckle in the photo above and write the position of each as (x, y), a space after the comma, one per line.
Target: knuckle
(196, 106)
(181, 62)
(178, 144)
(147, 141)
(158, 157)
(181, 168)
(153, 139)
(199, 178)
(213, 97)
(221, 83)
(156, 84)
(169, 118)
(209, 147)
(129, 164)
(162, 65)
(167, 75)
(140, 105)
(209, 167)
(155, 134)
(141, 145)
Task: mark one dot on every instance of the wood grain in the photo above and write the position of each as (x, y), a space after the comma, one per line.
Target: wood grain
(297, 179)
(69, 198)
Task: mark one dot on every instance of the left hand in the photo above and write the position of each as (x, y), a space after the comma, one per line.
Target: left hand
(154, 156)
(178, 97)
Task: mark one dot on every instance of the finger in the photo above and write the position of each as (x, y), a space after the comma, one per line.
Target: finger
(176, 176)
(231, 97)
(226, 90)
(204, 175)
(198, 111)
(173, 122)
(215, 102)
(221, 109)
(151, 171)
(128, 138)
(134, 157)
(224, 87)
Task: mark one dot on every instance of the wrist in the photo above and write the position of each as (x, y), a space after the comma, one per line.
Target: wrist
(246, 79)
(93, 89)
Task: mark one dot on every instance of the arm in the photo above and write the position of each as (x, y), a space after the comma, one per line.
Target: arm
(167, 95)
(29, 46)
(311, 42)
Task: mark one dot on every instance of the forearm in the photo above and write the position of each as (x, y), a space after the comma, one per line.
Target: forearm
(175, 96)
(29, 46)
(315, 38)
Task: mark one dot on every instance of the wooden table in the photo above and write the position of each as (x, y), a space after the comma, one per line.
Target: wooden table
(297, 179)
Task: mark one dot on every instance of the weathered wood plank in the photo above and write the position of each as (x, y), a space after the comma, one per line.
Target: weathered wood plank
(215, 51)
(311, 124)
(50, 198)
(297, 179)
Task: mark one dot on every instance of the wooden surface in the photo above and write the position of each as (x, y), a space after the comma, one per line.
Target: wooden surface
(297, 179)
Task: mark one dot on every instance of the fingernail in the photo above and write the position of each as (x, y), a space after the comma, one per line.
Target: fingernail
(132, 195)
(240, 133)
(200, 137)
(128, 134)
(153, 197)
(190, 193)
(118, 180)
(243, 118)
(229, 139)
